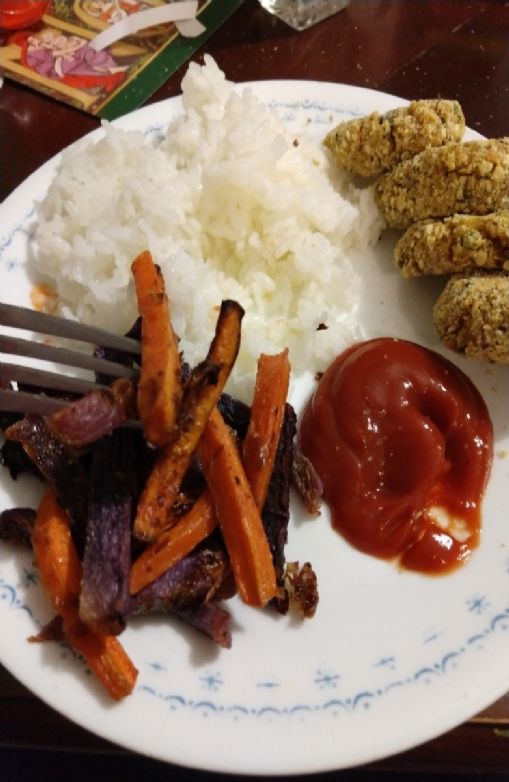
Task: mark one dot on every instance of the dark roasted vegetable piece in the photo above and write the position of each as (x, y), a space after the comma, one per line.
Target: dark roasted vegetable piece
(60, 466)
(306, 481)
(192, 581)
(16, 525)
(276, 509)
(13, 456)
(211, 619)
(302, 588)
(118, 356)
(104, 595)
(235, 413)
(95, 415)
(52, 631)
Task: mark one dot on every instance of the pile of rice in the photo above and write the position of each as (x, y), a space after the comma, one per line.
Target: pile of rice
(231, 205)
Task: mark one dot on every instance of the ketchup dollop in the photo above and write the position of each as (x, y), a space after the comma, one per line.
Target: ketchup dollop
(403, 443)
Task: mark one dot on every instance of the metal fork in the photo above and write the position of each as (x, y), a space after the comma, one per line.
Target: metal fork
(32, 403)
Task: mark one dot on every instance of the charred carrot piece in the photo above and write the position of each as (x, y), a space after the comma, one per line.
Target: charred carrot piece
(60, 571)
(105, 656)
(160, 387)
(267, 412)
(237, 514)
(202, 393)
(174, 544)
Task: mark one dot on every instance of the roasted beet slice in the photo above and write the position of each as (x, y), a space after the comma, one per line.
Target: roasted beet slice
(104, 597)
(211, 619)
(187, 585)
(16, 525)
(235, 413)
(95, 415)
(276, 510)
(59, 464)
(302, 588)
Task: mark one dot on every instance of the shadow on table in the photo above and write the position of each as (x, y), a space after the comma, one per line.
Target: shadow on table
(18, 765)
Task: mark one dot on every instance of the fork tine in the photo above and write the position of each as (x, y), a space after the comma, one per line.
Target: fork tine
(29, 404)
(23, 347)
(44, 379)
(21, 318)
(38, 404)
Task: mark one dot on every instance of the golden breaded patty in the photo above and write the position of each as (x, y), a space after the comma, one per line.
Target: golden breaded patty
(472, 315)
(470, 177)
(455, 244)
(370, 146)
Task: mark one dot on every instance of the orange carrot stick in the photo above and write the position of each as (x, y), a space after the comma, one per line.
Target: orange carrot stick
(159, 388)
(237, 514)
(105, 656)
(267, 411)
(203, 390)
(55, 553)
(60, 571)
(174, 543)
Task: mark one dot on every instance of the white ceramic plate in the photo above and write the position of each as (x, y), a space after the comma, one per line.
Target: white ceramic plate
(391, 658)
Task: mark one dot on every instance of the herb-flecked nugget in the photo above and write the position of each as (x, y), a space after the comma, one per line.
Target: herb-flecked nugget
(471, 177)
(454, 244)
(471, 315)
(370, 146)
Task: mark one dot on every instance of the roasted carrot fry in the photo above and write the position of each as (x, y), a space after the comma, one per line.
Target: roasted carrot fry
(55, 553)
(160, 387)
(267, 411)
(202, 393)
(237, 514)
(174, 543)
(105, 656)
(60, 571)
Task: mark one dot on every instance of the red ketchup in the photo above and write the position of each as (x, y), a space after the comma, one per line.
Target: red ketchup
(395, 431)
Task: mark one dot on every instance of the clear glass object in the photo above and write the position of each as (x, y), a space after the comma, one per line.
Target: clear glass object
(301, 14)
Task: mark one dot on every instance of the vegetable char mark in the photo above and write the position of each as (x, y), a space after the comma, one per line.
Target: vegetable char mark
(96, 414)
(189, 583)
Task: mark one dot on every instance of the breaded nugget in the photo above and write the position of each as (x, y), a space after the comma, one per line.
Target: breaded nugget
(455, 244)
(472, 315)
(462, 176)
(370, 146)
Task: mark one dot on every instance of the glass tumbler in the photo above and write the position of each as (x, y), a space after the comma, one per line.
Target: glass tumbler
(301, 14)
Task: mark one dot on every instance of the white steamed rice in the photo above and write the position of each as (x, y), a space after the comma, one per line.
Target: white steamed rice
(229, 207)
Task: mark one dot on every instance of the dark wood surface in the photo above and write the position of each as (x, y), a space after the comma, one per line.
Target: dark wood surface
(412, 48)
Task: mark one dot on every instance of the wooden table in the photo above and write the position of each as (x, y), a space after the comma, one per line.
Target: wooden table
(412, 48)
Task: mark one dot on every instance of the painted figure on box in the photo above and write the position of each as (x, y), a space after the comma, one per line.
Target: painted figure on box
(57, 55)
